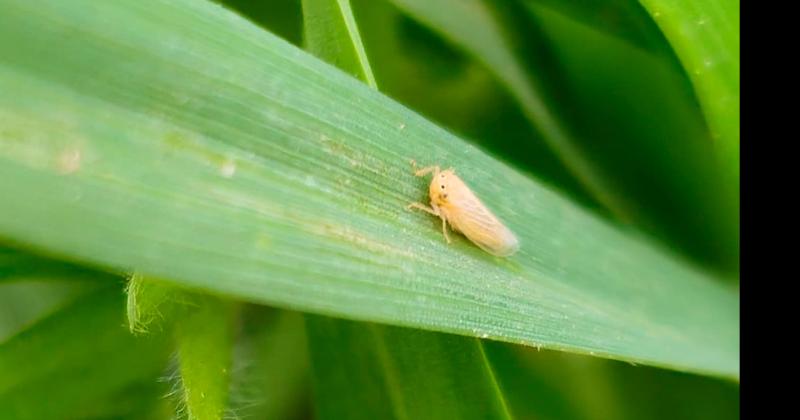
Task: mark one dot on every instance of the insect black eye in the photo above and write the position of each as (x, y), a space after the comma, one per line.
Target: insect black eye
(442, 186)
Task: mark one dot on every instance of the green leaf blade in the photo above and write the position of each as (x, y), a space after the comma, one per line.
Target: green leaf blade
(705, 36)
(331, 34)
(400, 373)
(271, 177)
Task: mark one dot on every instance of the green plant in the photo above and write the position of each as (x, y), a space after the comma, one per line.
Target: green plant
(227, 179)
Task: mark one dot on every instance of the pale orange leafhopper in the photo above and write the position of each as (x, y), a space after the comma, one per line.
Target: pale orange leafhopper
(457, 205)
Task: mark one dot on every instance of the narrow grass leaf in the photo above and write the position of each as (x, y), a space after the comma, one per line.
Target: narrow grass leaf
(642, 122)
(624, 19)
(705, 36)
(331, 34)
(399, 373)
(215, 155)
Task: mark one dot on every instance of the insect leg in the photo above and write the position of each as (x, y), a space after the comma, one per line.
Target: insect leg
(422, 207)
(426, 170)
(444, 230)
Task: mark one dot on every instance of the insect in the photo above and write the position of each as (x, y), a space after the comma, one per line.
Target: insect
(457, 205)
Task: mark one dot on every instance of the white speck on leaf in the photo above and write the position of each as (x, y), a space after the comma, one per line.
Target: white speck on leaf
(69, 161)
(310, 181)
(228, 168)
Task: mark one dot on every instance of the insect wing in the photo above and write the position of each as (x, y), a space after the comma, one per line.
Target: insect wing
(468, 215)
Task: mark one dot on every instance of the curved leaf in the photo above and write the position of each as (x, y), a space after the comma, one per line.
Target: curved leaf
(213, 154)
(705, 36)
(331, 33)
